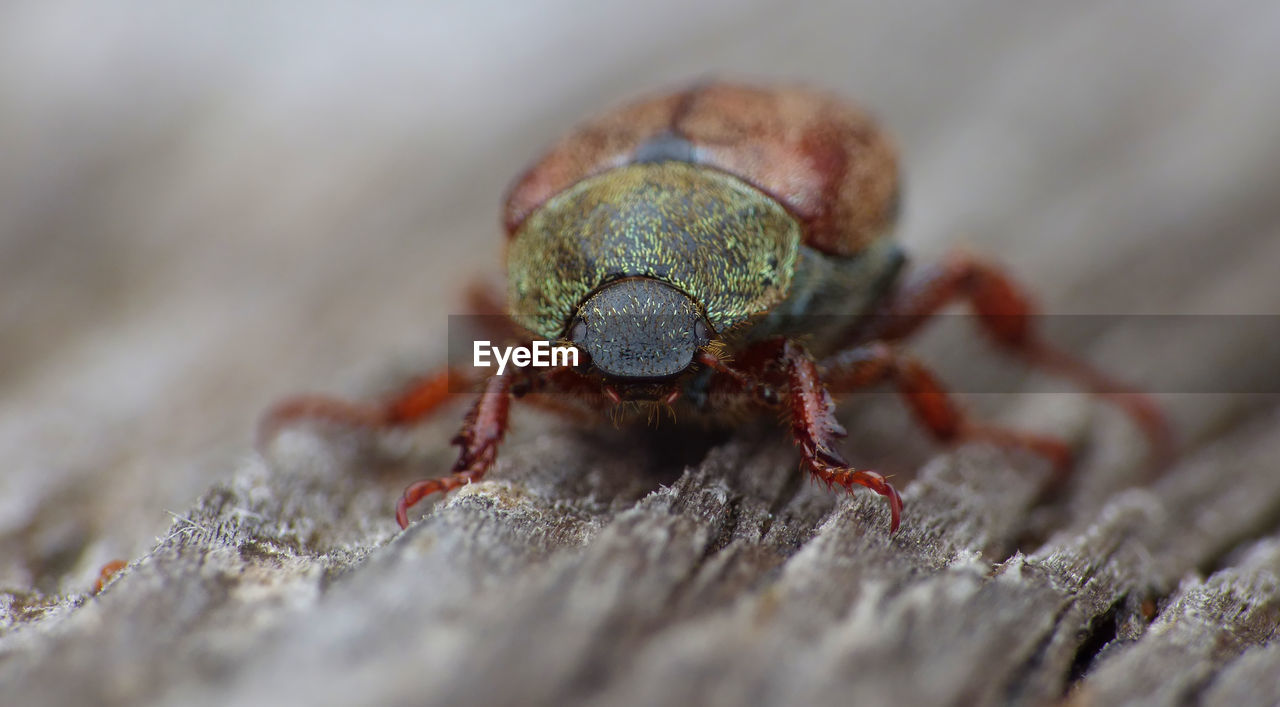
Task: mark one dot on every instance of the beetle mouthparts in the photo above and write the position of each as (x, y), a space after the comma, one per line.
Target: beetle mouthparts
(639, 328)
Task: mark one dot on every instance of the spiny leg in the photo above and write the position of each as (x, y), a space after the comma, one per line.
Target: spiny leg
(482, 431)
(785, 364)
(929, 401)
(1006, 313)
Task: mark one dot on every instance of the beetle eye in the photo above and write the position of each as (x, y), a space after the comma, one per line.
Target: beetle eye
(701, 332)
(578, 335)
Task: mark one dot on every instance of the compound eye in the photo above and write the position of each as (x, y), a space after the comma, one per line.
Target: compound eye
(578, 335)
(701, 332)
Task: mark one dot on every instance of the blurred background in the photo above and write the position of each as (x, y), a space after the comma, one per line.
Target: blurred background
(206, 206)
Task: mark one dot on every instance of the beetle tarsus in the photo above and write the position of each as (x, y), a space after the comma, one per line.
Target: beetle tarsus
(482, 431)
(848, 478)
(419, 490)
(815, 429)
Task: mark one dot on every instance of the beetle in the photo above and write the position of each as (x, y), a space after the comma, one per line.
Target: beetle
(720, 250)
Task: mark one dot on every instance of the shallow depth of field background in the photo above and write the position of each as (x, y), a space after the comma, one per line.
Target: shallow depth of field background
(206, 206)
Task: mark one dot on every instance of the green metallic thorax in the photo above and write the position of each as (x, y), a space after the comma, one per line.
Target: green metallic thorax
(727, 245)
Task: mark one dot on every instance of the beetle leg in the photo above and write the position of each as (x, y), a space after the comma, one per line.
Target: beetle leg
(1006, 313)
(482, 431)
(929, 400)
(816, 430)
(418, 400)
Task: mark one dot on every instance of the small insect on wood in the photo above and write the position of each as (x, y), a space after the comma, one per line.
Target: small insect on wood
(687, 244)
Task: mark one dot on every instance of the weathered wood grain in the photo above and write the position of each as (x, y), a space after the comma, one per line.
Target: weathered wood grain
(235, 242)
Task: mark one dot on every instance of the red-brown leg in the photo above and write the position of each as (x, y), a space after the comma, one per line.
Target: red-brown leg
(782, 365)
(419, 399)
(815, 429)
(485, 425)
(1006, 313)
(930, 402)
(478, 441)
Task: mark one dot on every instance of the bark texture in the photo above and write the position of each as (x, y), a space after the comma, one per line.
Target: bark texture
(220, 229)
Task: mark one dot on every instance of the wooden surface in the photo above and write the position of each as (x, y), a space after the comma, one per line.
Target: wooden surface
(204, 210)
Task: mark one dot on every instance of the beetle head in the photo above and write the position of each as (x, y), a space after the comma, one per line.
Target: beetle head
(638, 329)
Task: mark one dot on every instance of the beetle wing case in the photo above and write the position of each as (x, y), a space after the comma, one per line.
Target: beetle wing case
(824, 160)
